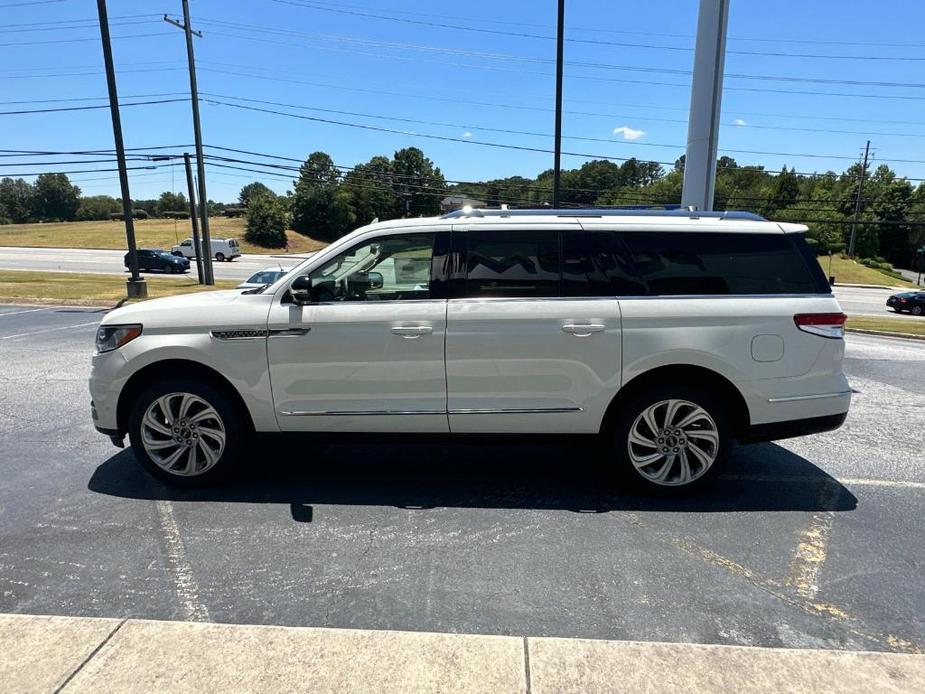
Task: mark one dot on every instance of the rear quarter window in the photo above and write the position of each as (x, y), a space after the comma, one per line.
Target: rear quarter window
(678, 263)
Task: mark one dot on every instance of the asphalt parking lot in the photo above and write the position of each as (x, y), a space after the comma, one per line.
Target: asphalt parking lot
(814, 542)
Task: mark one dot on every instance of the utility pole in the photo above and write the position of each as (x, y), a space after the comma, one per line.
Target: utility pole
(205, 253)
(136, 288)
(557, 165)
(192, 215)
(706, 101)
(857, 201)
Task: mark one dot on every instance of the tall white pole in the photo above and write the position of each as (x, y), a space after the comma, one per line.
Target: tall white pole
(706, 103)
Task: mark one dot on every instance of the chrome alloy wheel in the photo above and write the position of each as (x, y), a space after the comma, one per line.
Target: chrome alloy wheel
(673, 443)
(183, 434)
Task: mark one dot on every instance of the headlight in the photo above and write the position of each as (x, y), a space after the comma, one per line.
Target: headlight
(110, 337)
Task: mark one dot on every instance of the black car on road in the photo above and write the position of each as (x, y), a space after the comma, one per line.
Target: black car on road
(913, 302)
(152, 259)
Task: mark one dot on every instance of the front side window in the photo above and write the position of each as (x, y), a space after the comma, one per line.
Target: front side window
(387, 268)
(512, 263)
(677, 263)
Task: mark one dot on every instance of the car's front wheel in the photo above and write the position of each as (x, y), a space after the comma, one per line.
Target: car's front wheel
(671, 439)
(186, 432)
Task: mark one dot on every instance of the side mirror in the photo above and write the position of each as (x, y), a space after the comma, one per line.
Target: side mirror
(301, 290)
(375, 280)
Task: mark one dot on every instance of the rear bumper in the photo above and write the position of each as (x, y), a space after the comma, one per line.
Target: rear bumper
(796, 427)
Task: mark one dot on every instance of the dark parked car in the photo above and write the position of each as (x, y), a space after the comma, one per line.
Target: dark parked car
(149, 259)
(913, 302)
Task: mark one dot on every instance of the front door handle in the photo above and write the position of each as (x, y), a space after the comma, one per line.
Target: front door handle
(412, 331)
(583, 330)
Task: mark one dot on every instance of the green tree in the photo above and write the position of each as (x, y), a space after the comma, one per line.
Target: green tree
(15, 200)
(314, 197)
(97, 207)
(419, 183)
(267, 219)
(171, 202)
(371, 193)
(55, 198)
(253, 190)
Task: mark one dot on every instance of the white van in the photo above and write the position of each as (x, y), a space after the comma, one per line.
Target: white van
(667, 335)
(222, 249)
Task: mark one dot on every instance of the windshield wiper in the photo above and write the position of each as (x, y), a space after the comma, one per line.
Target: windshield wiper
(256, 290)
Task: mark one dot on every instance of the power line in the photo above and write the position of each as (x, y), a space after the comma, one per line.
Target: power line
(600, 42)
(95, 38)
(87, 108)
(91, 98)
(609, 30)
(532, 59)
(32, 2)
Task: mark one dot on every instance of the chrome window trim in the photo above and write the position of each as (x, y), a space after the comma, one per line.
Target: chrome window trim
(817, 396)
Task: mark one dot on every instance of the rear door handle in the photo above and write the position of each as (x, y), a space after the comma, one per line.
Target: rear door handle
(412, 331)
(583, 330)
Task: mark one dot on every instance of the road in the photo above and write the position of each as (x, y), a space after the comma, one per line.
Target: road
(855, 300)
(111, 262)
(816, 542)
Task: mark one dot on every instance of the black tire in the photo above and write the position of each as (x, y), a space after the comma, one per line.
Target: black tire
(220, 257)
(702, 476)
(916, 311)
(232, 421)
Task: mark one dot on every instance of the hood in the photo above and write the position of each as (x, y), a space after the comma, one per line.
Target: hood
(172, 310)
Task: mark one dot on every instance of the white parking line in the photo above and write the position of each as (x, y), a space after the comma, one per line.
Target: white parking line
(49, 330)
(31, 310)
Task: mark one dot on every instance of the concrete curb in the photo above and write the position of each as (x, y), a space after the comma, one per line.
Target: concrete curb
(83, 654)
(885, 333)
(871, 286)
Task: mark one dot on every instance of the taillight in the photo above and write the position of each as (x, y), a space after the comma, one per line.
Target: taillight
(823, 324)
(902, 301)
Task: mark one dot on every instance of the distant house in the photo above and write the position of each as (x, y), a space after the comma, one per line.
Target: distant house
(455, 202)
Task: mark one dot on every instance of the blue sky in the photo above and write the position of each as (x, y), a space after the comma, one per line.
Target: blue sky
(626, 86)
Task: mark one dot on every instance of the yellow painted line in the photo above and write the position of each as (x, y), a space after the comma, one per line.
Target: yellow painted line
(811, 550)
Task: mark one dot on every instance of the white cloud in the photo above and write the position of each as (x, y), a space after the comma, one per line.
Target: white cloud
(628, 132)
(739, 122)
(467, 134)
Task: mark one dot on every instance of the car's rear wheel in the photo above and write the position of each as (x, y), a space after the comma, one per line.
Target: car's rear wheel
(220, 257)
(186, 433)
(916, 310)
(671, 439)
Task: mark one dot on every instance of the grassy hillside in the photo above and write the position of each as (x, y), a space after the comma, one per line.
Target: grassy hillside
(849, 272)
(151, 233)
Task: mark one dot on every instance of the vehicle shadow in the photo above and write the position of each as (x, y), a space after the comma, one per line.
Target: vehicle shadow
(470, 474)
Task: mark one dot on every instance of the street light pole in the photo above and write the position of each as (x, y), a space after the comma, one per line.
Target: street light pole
(136, 286)
(192, 215)
(557, 165)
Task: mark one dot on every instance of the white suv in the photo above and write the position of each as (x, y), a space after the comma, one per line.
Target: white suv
(669, 334)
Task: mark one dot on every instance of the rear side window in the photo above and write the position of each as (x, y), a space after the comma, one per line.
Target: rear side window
(674, 263)
(512, 263)
(596, 263)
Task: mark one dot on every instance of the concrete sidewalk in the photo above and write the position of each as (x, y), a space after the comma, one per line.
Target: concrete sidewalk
(81, 654)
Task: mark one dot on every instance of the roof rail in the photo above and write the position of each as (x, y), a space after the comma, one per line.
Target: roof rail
(632, 211)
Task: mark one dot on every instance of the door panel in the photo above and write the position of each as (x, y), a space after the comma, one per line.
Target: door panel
(527, 366)
(368, 353)
(359, 367)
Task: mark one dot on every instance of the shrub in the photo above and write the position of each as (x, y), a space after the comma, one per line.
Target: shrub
(234, 211)
(266, 222)
(175, 214)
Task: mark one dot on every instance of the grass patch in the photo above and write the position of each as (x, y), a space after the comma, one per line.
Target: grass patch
(150, 233)
(849, 272)
(909, 326)
(72, 286)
